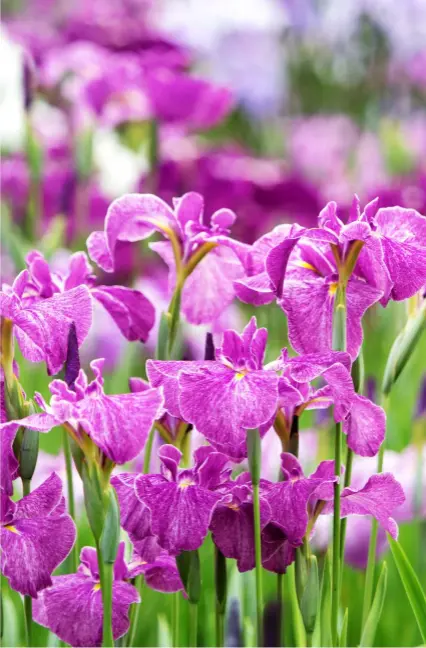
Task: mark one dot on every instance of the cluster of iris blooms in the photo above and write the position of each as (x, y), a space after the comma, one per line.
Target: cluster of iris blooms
(324, 279)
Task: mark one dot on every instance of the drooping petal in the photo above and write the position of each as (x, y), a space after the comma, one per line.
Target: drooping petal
(308, 305)
(130, 309)
(365, 426)
(42, 328)
(180, 514)
(37, 539)
(233, 531)
(256, 290)
(72, 609)
(360, 296)
(209, 289)
(223, 404)
(120, 424)
(380, 496)
(135, 517)
(403, 235)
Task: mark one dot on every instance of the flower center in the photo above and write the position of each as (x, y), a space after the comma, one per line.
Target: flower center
(185, 483)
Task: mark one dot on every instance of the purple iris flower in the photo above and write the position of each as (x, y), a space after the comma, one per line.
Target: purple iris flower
(208, 289)
(158, 567)
(181, 502)
(363, 421)
(128, 90)
(117, 424)
(72, 607)
(36, 536)
(232, 525)
(130, 309)
(41, 327)
(223, 397)
(292, 500)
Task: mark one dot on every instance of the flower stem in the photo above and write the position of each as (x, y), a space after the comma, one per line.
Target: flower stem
(221, 591)
(135, 613)
(298, 627)
(347, 482)
(193, 624)
(254, 456)
(106, 585)
(371, 562)
(148, 451)
(339, 344)
(28, 602)
(336, 536)
(175, 619)
(70, 494)
(280, 600)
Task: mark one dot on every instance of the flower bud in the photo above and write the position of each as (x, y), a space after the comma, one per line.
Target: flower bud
(29, 448)
(403, 347)
(110, 536)
(310, 598)
(29, 79)
(93, 498)
(220, 579)
(357, 373)
(188, 564)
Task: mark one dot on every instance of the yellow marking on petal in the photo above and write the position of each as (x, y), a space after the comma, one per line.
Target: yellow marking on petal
(305, 264)
(332, 289)
(185, 483)
(11, 528)
(239, 375)
(97, 587)
(232, 506)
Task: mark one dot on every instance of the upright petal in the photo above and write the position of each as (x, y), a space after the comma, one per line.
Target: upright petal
(133, 217)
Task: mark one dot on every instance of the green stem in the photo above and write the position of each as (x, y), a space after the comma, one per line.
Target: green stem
(193, 624)
(335, 592)
(221, 592)
(106, 575)
(347, 482)
(254, 456)
(28, 602)
(280, 599)
(70, 494)
(371, 562)
(135, 613)
(148, 451)
(28, 606)
(175, 619)
(339, 344)
(220, 626)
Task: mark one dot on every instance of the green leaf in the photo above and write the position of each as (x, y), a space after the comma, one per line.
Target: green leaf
(343, 638)
(310, 598)
(369, 631)
(413, 589)
(188, 564)
(325, 606)
(164, 633)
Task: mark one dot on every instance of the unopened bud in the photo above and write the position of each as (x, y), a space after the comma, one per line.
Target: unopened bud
(29, 79)
(357, 373)
(310, 598)
(403, 348)
(29, 449)
(188, 563)
(110, 537)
